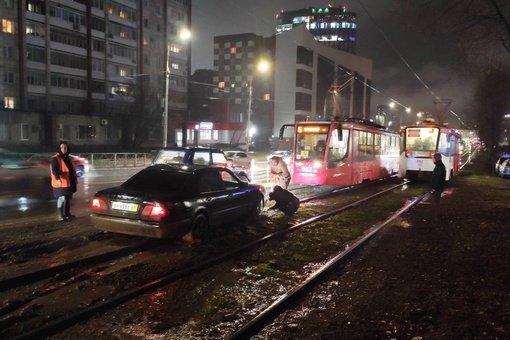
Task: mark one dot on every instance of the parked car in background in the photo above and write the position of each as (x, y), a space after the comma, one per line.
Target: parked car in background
(169, 201)
(241, 158)
(284, 154)
(504, 169)
(499, 163)
(19, 179)
(81, 165)
(190, 155)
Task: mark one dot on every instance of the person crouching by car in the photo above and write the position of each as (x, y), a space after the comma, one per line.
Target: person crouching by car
(63, 180)
(280, 172)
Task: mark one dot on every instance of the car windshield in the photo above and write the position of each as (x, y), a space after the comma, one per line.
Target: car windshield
(157, 181)
(169, 157)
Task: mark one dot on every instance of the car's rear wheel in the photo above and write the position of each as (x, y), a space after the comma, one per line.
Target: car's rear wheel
(199, 226)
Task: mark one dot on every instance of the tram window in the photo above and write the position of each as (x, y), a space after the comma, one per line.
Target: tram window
(377, 144)
(337, 148)
(443, 144)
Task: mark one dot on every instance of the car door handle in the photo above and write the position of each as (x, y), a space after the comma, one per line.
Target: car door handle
(208, 198)
(230, 195)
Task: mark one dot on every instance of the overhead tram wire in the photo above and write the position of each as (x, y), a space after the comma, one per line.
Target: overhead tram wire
(221, 4)
(405, 62)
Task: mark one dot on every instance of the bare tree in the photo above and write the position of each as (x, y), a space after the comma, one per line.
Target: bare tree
(480, 32)
(492, 101)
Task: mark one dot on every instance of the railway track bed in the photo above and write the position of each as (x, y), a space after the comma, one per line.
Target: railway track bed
(271, 265)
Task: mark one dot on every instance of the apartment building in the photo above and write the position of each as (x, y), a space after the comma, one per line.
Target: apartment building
(92, 72)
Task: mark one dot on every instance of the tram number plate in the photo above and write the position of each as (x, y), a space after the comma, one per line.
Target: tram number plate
(125, 206)
(307, 169)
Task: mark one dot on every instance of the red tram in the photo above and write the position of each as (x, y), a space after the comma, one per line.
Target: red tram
(421, 142)
(344, 152)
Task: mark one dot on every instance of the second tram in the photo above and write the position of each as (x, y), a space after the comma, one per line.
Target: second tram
(421, 142)
(344, 152)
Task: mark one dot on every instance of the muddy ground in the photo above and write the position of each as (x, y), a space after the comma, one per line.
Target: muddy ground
(423, 279)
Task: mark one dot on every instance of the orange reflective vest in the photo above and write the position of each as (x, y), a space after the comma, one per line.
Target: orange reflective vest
(64, 182)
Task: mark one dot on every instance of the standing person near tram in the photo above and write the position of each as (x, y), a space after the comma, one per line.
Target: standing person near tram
(437, 185)
(280, 172)
(63, 180)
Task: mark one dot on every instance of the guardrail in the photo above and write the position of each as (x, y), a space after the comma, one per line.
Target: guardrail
(117, 160)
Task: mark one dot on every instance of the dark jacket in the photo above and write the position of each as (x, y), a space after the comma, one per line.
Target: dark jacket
(438, 176)
(55, 171)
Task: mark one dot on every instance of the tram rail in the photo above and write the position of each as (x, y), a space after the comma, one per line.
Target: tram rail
(64, 321)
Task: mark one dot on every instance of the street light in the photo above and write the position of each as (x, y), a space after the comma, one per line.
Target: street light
(184, 35)
(262, 66)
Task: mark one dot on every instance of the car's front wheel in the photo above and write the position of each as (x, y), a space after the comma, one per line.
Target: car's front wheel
(258, 209)
(199, 226)
(80, 171)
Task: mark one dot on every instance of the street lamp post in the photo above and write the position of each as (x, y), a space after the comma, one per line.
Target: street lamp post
(262, 66)
(184, 35)
(165, 112)
(248, 120)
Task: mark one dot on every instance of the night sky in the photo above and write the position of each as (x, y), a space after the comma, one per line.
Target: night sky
(407, 67)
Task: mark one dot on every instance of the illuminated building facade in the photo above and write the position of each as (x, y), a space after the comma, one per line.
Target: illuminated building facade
(331, 26)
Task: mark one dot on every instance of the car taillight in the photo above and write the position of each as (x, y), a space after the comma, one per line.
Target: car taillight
(154, 210)
(99, 204)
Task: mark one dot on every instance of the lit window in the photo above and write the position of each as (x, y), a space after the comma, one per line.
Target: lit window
(123, 14)
(145, 42)
(110, 10)
(267, 96)
(122, 34)
(9, 102)
(221, 84)
(8, 26)
(175, 66)
(233, 50)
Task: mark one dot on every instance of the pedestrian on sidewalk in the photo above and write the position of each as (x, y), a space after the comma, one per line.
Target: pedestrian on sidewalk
(437, 185)
(63, 180)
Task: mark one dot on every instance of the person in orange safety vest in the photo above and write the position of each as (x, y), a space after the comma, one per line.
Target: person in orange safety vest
(63, 180)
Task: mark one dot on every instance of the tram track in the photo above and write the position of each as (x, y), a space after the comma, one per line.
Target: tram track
(285, 302)
(44, 328)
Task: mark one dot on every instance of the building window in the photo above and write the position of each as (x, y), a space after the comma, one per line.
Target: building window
(24, 132)
(9, 77)
(303, 101)
(303, 79)
(7, 52)
(7, 26)
(304, 56)
(9, 102)
(233, 50)
(86, 132)
(3, 132)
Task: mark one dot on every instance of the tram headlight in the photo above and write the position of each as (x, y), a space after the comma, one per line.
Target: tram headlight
(317, 164)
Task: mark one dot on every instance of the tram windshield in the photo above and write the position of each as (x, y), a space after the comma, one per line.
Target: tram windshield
(421, 139)
(314, 144)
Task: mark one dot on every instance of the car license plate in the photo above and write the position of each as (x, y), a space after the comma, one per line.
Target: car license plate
(131, 207)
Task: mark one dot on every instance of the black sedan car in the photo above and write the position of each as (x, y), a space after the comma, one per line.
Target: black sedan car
(169, 201)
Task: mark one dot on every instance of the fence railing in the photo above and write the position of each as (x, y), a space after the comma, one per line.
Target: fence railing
(117, 160)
